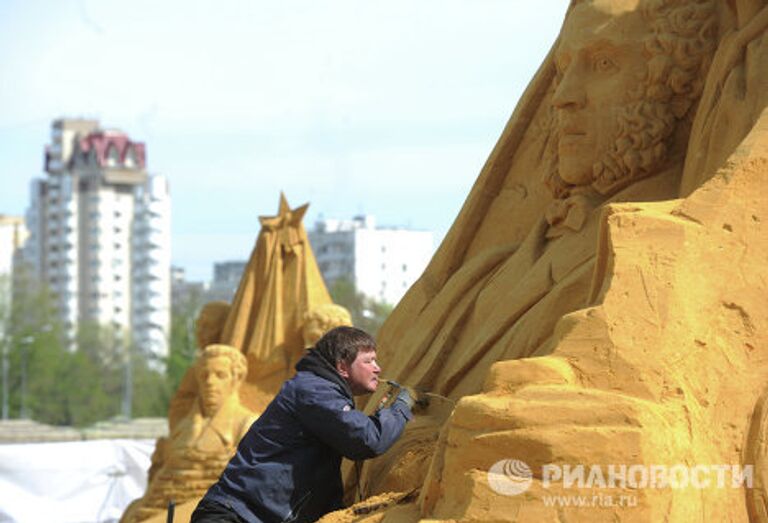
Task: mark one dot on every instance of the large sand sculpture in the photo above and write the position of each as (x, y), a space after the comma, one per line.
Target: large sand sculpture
(600, 299)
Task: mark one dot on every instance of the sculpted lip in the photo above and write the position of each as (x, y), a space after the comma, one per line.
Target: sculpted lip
(572, 140)
(571, 135)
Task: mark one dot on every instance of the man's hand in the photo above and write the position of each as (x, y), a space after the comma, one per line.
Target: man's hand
(409, 396)
(406, 398)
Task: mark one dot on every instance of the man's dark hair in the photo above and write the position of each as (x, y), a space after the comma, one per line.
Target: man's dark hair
(343, 344)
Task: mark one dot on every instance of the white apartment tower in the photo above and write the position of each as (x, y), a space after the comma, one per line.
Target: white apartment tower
(100, 234)
(382, 262)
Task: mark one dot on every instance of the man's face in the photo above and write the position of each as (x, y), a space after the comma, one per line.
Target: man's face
(216, 382)
(362, 374)
(600, 60)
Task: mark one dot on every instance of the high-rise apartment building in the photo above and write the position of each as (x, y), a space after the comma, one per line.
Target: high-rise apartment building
(100, 234)
(186, 296)
(382, 262)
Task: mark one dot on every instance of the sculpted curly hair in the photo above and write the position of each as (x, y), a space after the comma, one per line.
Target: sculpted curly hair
(328, 315)
(236, 358)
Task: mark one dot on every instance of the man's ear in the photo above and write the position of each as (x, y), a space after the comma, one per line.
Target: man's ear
(342, 368)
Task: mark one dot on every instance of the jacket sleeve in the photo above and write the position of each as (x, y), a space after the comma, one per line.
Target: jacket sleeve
(332, 417)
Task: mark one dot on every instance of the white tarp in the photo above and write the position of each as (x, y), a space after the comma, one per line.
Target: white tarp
(72, 482)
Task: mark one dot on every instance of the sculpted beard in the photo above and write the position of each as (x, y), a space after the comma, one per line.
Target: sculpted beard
(639, 150)
(640, 147)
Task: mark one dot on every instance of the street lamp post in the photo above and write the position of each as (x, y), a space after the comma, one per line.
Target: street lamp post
(5, 380)
(26, 341)
(128, 377)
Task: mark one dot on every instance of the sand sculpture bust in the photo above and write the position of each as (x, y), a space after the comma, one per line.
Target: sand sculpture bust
(202, 442)
(572, 327)
(210, 323)
(321, 319)
(208, 328)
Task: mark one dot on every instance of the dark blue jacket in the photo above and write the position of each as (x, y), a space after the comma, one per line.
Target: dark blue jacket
(287, 467)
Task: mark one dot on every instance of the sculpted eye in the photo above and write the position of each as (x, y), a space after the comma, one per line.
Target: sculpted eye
(603, 64)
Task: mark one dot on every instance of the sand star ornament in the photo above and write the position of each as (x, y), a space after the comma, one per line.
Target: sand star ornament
(286, 224)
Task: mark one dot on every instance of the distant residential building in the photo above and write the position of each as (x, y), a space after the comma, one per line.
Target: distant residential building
(13, 234)
(185, 294)
(382, 262)
(100, 234)
(226, 278)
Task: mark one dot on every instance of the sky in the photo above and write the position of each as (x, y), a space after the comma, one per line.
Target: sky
(357, 107)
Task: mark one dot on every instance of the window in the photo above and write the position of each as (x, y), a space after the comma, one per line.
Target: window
(113, 157)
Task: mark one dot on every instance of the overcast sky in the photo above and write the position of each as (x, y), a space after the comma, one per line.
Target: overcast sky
(386, 108)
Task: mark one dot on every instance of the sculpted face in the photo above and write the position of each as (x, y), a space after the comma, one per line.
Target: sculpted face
(217, 382)
(601, 63)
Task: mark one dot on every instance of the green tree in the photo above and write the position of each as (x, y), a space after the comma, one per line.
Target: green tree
(183, 345)
(151, 388)
(32, 337)
(84, 393)
(101, 358)
(367, 313)
(49, 383)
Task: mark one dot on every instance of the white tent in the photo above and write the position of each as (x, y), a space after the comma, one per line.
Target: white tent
(72, 482)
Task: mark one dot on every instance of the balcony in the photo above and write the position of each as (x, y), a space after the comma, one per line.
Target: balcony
(55, 165)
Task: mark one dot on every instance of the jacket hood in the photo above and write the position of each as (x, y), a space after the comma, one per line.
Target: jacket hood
(315, 363)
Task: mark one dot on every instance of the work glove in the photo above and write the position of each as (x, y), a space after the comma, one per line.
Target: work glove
(406, 398)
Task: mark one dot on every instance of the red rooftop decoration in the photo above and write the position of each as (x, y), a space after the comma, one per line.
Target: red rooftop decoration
(101, 142)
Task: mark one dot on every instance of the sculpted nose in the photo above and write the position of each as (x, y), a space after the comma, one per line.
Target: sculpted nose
(570, 93)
